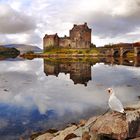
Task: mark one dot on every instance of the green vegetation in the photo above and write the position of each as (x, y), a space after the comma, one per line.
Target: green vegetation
(58, 50)
(8, 52)
(71, 60)
(30, 52)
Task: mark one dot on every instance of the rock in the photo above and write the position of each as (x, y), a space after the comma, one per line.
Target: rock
(70, 136)
(82, 123)
(86, 136)
(46, 136)
(118, 126)
(61, 135)
(78, 138)
(111, 125)
(43, 135)
(136, 139)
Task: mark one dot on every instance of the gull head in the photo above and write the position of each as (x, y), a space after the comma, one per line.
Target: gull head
(109, 90)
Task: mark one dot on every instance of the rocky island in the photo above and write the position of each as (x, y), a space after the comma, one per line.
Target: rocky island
(8, 52)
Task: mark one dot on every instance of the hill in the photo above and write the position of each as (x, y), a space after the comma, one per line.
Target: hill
(23, 48)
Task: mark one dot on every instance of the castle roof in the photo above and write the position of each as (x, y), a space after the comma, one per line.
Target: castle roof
(51, 36)
(79, 27)
(136, 44)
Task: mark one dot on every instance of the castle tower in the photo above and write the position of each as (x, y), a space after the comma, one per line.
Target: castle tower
(50, 41)
(80, 36)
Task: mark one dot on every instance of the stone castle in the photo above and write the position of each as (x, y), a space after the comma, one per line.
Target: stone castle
(79, 38)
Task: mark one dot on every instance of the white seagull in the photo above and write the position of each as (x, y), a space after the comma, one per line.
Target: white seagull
(114, 103)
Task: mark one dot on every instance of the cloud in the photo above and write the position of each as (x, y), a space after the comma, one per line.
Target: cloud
(12, 21)
(113, 18)
(110, 20)
(31, 89)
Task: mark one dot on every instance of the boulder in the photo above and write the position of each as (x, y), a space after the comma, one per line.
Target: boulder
(61, 135)
(115, 125)
(46, 136)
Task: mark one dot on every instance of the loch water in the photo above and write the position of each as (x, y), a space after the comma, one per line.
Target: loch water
(39, 94)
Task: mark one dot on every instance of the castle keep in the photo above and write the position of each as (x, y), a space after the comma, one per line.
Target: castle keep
(79, 38)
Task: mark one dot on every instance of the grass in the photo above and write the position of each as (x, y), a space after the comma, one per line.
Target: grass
(71, 51)
(72, 60)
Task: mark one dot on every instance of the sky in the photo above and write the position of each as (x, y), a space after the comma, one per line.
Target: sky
(27, 21)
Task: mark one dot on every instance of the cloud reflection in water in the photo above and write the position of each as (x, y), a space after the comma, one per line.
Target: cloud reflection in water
(45, 101)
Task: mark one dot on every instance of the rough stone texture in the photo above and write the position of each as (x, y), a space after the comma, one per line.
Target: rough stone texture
(80, 36)
(86, 136)
(70, 136)
(78, 138)
(136, 139)
(62, 134)
(118, 126)
(50, 40)
(65, 42)
(46, 136)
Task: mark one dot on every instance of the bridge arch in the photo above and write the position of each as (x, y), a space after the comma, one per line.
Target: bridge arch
(116, 53)
(126, 52)
(138, 54)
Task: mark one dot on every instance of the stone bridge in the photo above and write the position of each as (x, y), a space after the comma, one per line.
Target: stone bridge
(122, 51)
(135, 61)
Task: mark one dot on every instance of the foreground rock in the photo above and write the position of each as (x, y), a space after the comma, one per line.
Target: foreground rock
(111, 125)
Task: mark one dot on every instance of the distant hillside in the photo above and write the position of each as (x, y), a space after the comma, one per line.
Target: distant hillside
(24, 48)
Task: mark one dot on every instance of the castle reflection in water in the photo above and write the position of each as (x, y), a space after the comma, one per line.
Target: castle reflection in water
(80, 71)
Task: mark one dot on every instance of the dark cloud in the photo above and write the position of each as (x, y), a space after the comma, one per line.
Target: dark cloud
(107, 25)
(114, 22)
(12, 21)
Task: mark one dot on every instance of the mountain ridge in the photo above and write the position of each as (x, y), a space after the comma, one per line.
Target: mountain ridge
(23, 48)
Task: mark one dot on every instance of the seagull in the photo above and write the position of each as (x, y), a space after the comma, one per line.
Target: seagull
(114, 103)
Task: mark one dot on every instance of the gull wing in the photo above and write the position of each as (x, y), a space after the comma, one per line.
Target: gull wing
(115, 104)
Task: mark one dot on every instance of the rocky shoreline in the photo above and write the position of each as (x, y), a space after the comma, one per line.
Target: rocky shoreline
(110, 125)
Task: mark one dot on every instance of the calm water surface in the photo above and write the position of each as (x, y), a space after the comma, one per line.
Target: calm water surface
(39, 94)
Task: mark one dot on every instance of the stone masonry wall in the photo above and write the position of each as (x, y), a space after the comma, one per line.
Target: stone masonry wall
(65, 42)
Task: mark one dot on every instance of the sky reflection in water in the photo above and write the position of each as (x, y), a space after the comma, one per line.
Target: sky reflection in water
(31, 101)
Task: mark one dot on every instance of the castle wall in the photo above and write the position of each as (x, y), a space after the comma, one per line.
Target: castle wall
(49, 41)
(65, 42)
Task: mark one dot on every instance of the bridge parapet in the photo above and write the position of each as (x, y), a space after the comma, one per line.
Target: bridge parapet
(122, 51)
